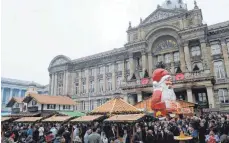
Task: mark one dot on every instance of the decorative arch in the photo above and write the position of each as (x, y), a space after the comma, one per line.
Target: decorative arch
(58, 60)
(162, 31)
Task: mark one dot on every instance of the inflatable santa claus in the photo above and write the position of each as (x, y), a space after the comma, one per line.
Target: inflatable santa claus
(163, 97)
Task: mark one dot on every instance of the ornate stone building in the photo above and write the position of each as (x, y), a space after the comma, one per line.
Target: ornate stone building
(195, 53)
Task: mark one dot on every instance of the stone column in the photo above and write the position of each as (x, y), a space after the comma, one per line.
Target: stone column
(125, 98)
(55, 89)
(87, 80)
(144, 61)
(96, 80)
(50, 84)
(131, 99)
(64, 80)
(172, 63)
(211, 100)
(189, 95)
(150, 63)
(80, 82)
(123, 70)
(182, 58)
(205, 51)
(104, 79)
(113, 78)
(211, 65)
(225, 56)
(132, 64)
(139, 96)
(19, 93)
(11, 94)
(187, 56)
(66, 83)
(2, 93)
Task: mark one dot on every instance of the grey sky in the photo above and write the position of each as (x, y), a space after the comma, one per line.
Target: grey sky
(35, 31)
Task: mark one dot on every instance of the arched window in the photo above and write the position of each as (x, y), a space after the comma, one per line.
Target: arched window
(219, 70)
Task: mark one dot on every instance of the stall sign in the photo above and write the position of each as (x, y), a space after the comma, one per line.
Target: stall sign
(179, 76)
(144, 81)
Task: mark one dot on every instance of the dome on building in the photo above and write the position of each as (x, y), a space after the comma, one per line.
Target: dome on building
(173, 4)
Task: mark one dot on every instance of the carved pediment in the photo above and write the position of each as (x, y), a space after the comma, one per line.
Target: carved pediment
(160, 14)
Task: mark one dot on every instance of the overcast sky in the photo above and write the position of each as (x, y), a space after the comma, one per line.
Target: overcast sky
(35, 31)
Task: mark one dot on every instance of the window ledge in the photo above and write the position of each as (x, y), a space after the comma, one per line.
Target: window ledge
(224, 104)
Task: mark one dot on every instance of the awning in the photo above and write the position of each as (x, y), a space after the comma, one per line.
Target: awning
(28, 119)
(24, 114)
(89, 118)
(72, 114)
(4, 119)
(125, 118)
(57, 119)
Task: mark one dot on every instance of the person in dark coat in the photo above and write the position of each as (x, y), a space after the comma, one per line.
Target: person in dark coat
(137, 136)
(202, 133)
(36, 134)
(67, 135)
(149, 137)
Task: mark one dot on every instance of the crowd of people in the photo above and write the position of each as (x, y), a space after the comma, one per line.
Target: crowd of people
(210, 128)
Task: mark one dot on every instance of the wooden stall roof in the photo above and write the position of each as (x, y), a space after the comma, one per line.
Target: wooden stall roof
(125, 118)
(3, 119)
(28, 119)
(115, 106)
(24, 114)
(57, 119)
(146, 104)
(88, 118)
(46, 99)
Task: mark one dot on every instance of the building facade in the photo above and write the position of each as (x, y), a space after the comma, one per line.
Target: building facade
(196, 54)
(18, 88)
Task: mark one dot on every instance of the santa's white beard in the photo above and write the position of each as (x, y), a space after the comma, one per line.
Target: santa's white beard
(168, 94)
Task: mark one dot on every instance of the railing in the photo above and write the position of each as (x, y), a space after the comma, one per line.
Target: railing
(192, 77)
(15, 110)
(33, 109)
(135, 84)
(187, 77)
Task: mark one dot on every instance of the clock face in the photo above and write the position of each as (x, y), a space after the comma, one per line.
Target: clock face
(180, 76)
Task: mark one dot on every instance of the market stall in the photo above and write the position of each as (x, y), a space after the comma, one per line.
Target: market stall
(5, 119)
(128, 118)
(28, 119)
(60, 119)
(116, 106)
(87, 119)
(71, 113)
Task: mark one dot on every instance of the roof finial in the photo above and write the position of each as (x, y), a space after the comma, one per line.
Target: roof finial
(129, 25)
(158, 6)
(140, 20)
(195, 5)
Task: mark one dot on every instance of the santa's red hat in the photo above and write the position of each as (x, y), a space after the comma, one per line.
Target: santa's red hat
(160, 75)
